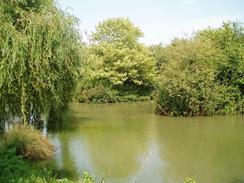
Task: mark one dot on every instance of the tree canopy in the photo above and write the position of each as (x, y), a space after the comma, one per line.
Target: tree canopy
(117, 59)
(39, 57)
(117, 30)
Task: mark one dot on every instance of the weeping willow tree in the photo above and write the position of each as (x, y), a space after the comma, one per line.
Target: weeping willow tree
(39, 58)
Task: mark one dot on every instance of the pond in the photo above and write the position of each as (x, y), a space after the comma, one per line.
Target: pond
(128, 143)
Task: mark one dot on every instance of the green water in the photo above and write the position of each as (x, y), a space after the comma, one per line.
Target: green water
(129, 143)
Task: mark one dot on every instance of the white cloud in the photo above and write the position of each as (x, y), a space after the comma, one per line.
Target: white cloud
(187, 2)
(164, 32)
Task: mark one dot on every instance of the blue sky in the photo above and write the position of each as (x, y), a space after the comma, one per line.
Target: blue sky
(160, 20)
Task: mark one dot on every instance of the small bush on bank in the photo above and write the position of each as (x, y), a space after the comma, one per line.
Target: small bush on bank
(28, 142)
(190, 180)
(86, 178)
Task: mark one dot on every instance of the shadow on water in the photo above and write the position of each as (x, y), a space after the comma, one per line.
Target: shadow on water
(236, 180)
(66, 122)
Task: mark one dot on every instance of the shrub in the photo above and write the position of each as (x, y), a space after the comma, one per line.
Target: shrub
(190, 180)
(28, 142)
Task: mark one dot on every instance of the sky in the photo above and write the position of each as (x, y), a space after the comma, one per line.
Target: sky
(160, 20)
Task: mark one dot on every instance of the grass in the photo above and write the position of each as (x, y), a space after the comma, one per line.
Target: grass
(28, 142)
(14, 168)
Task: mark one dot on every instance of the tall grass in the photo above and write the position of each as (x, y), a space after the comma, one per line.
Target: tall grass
(28, 142)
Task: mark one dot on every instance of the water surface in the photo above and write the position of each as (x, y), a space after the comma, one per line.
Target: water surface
(128, 143)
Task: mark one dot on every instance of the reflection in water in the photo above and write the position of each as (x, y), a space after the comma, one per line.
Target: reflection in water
(209, 149)
(128, 143)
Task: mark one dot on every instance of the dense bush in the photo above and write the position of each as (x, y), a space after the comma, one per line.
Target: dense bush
(97, 94)
(189, 84)
(28, 142)
(39, 58)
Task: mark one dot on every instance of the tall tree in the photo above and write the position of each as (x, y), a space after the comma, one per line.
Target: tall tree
(39, 58)
(119, 59)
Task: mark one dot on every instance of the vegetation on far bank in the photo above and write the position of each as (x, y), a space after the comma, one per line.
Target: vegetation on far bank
(44, 62)
(199, 75)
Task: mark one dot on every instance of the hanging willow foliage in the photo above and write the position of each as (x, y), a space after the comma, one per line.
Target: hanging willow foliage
(39, 58)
